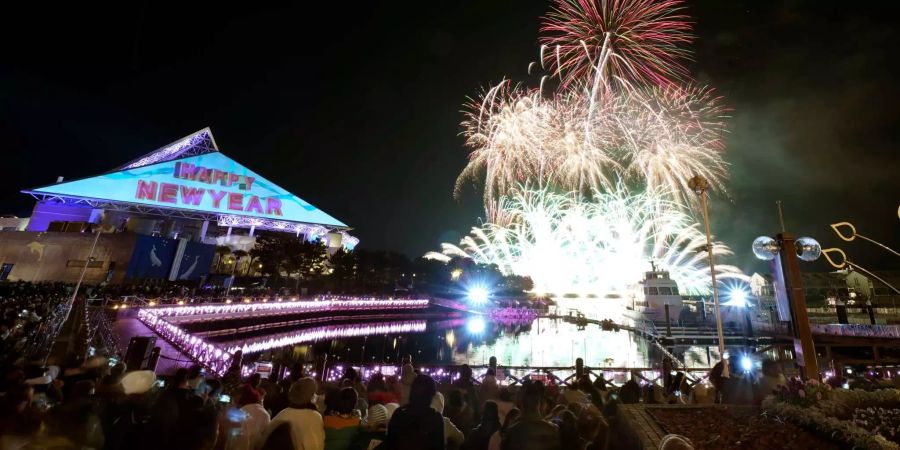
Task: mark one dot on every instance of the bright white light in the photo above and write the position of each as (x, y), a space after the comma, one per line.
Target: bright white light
(478, 295)
(746, 363)
(475, 325)
(567, 244)
(737, 297)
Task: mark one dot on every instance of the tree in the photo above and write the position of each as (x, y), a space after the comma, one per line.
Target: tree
(272, 251)
(238, 255)
(221, 252)
(380, 271)
(432, 276)
(516, 284)
(284, 253)
(343, 269)
(306, 259)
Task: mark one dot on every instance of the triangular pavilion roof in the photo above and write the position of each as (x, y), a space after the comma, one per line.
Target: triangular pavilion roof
(191, 178)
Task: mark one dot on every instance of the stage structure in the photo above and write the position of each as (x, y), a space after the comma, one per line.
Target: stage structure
(166, 200)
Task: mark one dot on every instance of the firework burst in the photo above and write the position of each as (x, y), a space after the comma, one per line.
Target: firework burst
(671, 134)
(622, 40)
(657, 137)
(622, 135)
(567, 245)
(517, 135)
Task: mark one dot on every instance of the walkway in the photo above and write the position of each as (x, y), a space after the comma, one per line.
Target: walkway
(127, 326)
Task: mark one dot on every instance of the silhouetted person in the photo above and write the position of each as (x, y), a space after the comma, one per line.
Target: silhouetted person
(481, 434)
(416, 426)
(532, 432)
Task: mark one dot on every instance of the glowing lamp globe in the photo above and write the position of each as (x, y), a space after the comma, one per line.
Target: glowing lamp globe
(746, 363)
(808, 249)
(478, 295)
(475, 325)
(737, 297)
(765, 248)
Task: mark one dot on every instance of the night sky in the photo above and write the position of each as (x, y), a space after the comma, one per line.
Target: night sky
(355, 107)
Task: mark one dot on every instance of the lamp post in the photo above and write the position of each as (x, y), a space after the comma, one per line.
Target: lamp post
(785, 251)
(699, 185)
(71, 303)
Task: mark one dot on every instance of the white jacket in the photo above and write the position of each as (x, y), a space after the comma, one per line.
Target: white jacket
(307, 429)
(254, 423)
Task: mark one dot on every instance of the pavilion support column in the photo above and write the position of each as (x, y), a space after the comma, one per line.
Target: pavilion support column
(203, 229)
(252, 229)
(168, 228)
(228, 233)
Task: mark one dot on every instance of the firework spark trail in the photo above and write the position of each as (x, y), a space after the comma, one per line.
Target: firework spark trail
(644, 40)
(517, 135)
(622, 134)
(659, 137)
(671, 134)
(567, 245)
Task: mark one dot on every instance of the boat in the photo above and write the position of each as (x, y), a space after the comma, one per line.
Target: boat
(650, 297)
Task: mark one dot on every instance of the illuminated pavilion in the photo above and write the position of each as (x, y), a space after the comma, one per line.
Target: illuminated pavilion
(165, 201)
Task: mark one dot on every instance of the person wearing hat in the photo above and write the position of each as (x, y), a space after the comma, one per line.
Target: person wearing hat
(377, 418)
(253, 421)
(251, 392)
(453, 437)
(307, 428)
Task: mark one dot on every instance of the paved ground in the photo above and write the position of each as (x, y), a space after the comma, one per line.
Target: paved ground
(127, 326)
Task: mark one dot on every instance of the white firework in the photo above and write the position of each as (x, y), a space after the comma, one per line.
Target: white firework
(569, 245)
(669, 135)
(518, 136)
(658, 138)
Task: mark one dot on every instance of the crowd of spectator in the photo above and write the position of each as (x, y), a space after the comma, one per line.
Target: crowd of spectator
(96, 403)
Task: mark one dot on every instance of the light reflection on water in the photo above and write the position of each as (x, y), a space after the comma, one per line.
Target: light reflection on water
(555, 343)
(543, 342)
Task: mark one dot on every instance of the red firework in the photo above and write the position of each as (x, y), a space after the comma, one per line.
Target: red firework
(644, 40)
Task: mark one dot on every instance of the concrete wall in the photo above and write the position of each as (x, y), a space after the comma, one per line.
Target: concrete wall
(61, 256)
(13, 223)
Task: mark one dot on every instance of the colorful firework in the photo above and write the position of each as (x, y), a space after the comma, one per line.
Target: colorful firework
(567, 245)
(657, 137)
(617, 40)
(622, 122)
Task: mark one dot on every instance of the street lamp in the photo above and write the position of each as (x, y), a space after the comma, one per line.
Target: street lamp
(700, 186)
(476, 325)
(785, 251)
(478, 295)
(737, 297)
